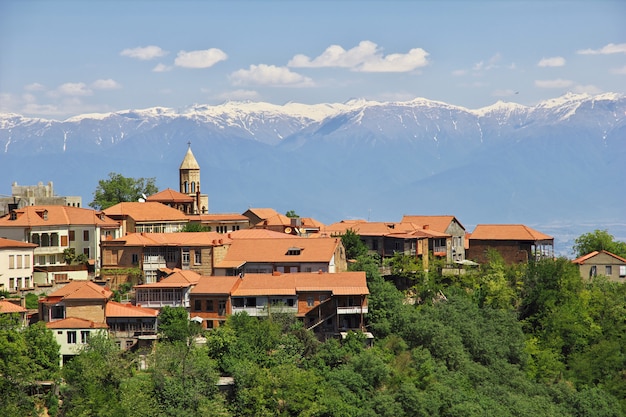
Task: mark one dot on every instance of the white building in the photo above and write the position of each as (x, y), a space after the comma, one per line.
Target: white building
(16, 265)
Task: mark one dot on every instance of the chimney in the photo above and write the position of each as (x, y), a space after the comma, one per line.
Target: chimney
(425, 227)
(276, 273)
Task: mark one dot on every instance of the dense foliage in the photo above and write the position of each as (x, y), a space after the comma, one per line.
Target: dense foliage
(118, 189)
(528, 340)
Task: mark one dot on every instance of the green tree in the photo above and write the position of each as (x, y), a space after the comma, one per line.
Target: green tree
(175, 326)
(117, 189)
(596, 241)
(353, 244)
(195, 227)
(292, 214)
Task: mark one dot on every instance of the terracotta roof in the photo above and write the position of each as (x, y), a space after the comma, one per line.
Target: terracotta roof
(263, 213)
(216, 285)
(309, 222)
(51, 215)
(80, 290)
(75, 323)
(169, 195)
(172, 239)
(507, 232)
(9, 307)
(189, 161)
(581, 260)
(343, 283)
(275, 250)
(10, 243)
(115, 309)
(150, 211)
(178, 279)
(258, 234)
(400, 230)
(438, 223)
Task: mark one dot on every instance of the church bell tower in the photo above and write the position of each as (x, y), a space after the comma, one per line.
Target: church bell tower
(189, 180)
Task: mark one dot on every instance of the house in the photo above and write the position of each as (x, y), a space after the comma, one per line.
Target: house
(72, 334)
(174, 199)
(130, 325)
(147, 217)
(287, 254)
(221, 223)
(82, 299)
(327, 303)
(602, 263)
(151, 252)
(516, 243)
(447, 224)
(388, 238)
(172, 291)
(268, 218)
(55, 230)
(16, 265)
(8, 307)
(210, 299)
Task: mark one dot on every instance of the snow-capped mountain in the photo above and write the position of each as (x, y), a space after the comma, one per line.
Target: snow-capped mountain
(561, 159)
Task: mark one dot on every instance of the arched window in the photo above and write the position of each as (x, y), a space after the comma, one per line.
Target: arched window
(185, 187)
(193, 187)
(35, 238)
(45, 240)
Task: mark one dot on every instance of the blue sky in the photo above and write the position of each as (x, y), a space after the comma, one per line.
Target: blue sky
(63, 58)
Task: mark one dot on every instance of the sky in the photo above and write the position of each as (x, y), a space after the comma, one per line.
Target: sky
(63, 58)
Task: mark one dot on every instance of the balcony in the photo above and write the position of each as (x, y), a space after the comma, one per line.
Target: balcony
(263, 310)
(352, 310)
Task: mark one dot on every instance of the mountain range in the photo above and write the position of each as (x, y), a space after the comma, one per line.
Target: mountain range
(560, 163)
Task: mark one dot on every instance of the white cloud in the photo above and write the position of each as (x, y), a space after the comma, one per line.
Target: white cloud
(619, 71)
(72, 89)
(503, 93)
(239, 95)
(269, 75)
(611, 48)
(107, 84)
(34, 87)
(365, 57)
(555, 61)
(588, 89)
(161, 68)
(489, 65)
(200, 59)
(558, 83)
(144, 53)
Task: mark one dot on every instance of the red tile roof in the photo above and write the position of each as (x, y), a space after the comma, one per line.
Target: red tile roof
(258, 234)
(10, 243)
(150, 211)
(9, 307)
(31, 216)
(169, 195)
(343, 283)
(225, 217)
(178, 279)
(438, 223)
(215, 285)
(581, 260)
(507, 232)
(75, 323)
(115, 309)
(276, 250)
(81, 290)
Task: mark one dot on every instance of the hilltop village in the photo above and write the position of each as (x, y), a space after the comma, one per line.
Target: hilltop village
(257, 261)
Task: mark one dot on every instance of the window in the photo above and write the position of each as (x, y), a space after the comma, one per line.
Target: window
(11, 283)
(71, 337)
(209, 305)
(135, 258)
(294, 251)
(622, 271)
(58, 312)
(19, 261)
(593, 271)
(26, 261)
(52, 259)
(84, 337)
(310, 302)
(63, 241)
(608, 271)
(198, 257)
(86, 252)
(221, 308)
(186, 256)
(86, 235)
(129, 344)
(238, 302)
(197, 305)
(42, 260)
(11, 261)
(72, 236)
